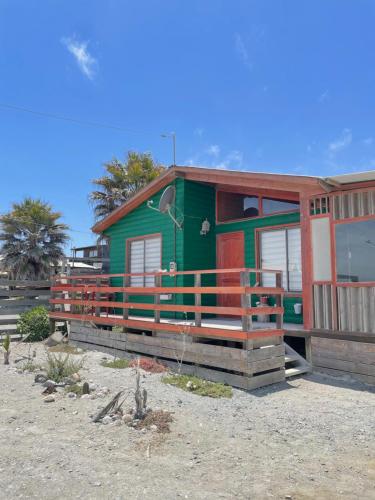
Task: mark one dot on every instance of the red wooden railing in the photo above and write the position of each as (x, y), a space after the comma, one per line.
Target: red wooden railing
(92, 298)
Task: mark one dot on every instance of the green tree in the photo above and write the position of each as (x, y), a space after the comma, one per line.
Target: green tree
(122, 181)
(32, 239)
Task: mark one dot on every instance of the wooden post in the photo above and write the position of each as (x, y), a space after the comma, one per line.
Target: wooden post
(247, 321)
(125, 296)
(97, 297)
(279, 301)
(52, 308)
(198, 300)
(157, 298)
(74, 308)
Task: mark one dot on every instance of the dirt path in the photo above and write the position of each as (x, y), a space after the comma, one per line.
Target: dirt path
(310, 438)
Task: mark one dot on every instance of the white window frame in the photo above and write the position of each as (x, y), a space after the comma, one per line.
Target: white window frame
(143, 281)
(286, 279)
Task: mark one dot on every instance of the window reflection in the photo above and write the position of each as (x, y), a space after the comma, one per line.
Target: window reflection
(355, 251)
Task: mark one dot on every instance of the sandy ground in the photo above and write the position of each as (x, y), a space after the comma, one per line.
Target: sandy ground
(310, 438)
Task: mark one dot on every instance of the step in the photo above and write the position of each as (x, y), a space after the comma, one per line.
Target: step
(289, 358)
(298, 370)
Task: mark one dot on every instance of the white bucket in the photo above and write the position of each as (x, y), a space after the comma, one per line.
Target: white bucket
(298, 308)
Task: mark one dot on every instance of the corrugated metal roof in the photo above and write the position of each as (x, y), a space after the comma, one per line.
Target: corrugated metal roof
(351, 178)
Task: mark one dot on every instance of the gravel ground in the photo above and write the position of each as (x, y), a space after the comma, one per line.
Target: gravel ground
(309, 438)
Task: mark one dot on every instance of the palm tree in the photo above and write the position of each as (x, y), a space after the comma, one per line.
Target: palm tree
(123, 181)
(32, 239)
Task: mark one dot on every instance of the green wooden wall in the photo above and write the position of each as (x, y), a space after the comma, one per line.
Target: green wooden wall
(193, 251)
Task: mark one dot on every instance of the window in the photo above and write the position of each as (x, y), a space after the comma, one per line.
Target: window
(355, 251)
(321, 248)
(274, 205)
(281, 250)
(232, 206)
(235, 206)
(93, 253)
(144, 257)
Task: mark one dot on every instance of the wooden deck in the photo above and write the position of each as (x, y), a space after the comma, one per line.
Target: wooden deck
(236, 350)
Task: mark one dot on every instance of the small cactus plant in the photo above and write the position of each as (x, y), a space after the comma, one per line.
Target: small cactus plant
(6, 347)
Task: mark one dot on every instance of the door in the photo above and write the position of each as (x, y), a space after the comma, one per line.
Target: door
(229, 255)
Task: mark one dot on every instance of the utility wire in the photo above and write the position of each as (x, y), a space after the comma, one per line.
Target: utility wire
(72, 120)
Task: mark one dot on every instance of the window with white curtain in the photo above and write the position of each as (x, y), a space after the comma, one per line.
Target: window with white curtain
(145, 257)
(281, 250)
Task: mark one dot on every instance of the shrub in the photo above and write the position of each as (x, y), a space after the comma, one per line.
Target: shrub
(65, 349)
(34, 323)
(75, 388)
(59, 367)
(148, 365)
(199, 386)
(30, 366)
(116, 363)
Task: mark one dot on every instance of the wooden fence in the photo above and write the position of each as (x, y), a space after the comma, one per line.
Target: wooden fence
(234, 350)
(17, 296)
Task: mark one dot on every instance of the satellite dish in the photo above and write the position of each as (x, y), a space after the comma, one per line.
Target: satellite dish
(167, 199)
(166, 204)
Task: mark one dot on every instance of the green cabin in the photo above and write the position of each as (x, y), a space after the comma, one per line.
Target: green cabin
(223, 221)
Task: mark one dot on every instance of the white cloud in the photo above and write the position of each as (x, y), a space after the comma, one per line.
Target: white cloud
(86, 62)
(342, 142)
(241, 50)
(233, 160)
(324, 96)
(198, 131)
(213, 150)
(368, 141)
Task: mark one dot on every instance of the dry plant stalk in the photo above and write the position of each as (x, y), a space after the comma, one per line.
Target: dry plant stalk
(184, 332)
(113, 405)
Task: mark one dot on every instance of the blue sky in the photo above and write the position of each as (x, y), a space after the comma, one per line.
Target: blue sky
(277, 86)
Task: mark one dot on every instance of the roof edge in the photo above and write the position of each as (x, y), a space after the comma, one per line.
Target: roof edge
(297, 183)
(151, 188)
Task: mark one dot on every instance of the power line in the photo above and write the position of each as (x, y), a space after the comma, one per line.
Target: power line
(40, 224)
(73, 120)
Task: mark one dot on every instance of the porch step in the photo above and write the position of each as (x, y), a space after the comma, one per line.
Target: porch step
(292, 372)
(289, 358)
(295, 364)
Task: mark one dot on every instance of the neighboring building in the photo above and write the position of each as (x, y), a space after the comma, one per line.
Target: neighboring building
(319, 232)
(96, 256)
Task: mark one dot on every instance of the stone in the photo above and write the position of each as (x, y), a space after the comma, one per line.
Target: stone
(127, 419)
(40, 378)
(49, 384)
(85, 396)
(55, 339)
(68, 381)
(153, 427)
(118, 423)
(107, 420)
(49, 399)
(76, 377)
(72, 395)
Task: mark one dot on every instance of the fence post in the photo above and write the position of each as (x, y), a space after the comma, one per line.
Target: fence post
(97, 296)
(279, 301)
(247, 321)
(198, 300)
(52, 322)
(157, 299)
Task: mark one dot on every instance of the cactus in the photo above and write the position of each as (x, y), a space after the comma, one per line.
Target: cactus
(6, 347)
